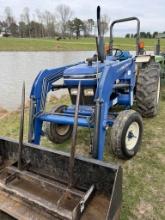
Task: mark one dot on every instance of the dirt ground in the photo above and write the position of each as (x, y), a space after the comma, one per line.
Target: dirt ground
(3, 112)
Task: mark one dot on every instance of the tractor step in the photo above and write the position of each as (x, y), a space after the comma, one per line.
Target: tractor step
(64, 119)
(121, 86)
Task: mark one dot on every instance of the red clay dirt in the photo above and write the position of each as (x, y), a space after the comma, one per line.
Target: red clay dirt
(3, 112)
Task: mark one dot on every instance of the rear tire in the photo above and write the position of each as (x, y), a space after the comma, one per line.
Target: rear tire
(58, 133)
(126, 134)
(148, 90)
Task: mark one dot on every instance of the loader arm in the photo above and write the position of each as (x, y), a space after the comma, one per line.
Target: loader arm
(41, 87)
(103, 102)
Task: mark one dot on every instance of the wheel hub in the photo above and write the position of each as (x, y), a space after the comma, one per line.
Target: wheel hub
(62, 129)
(132, 135)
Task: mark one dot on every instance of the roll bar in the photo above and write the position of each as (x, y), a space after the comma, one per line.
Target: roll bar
(125, 20)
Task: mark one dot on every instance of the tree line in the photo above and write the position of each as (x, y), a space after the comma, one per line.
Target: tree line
(144, 35)
(59, 24)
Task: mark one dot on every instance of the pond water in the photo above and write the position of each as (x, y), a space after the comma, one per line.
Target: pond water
(15, 67)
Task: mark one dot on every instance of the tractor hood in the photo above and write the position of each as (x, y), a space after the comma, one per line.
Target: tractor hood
(83, 70)
(87, 74)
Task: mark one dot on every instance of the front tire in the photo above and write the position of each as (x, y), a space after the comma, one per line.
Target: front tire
(58, 133)
(126, 134)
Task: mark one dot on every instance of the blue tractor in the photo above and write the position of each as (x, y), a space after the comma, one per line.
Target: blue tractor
(108, 82)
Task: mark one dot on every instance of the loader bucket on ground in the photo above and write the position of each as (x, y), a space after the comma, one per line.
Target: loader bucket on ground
(34, 192)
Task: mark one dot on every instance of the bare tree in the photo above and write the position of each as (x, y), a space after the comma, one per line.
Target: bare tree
(49, 21)
(40, 17)
(25, 17)
(9, 16)
(105, 20)
(64, 13)
(88, 27)
(10, 24)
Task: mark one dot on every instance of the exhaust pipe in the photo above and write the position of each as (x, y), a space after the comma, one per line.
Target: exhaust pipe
(100, 38)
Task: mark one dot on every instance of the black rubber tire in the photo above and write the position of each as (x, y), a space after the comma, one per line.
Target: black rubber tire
(119, 132)
(147, 86)
(51, 129)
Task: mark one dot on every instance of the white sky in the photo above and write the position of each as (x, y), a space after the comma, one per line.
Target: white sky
(151, 13)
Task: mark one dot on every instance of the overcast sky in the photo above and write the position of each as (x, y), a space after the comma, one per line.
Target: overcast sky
(150, 12)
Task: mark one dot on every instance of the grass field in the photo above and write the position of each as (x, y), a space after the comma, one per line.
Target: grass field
(144, 175)
(82, 44)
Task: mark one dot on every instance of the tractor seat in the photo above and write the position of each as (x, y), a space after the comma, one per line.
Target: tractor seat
(125, 55)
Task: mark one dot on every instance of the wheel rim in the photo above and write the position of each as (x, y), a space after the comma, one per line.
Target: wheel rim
(62, 129)
(158, 91)
(132, 135)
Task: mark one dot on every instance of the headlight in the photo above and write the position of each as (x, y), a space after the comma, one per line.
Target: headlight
(88, 92)
(73, 91)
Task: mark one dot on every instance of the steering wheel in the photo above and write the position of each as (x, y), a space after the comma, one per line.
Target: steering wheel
(118, 52)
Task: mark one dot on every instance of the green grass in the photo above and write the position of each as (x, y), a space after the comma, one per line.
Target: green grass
(143, 176)
(82, 44)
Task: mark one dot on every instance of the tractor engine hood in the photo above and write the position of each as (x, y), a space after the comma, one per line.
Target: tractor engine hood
(87, 74)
